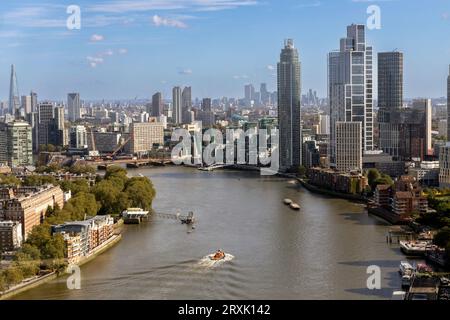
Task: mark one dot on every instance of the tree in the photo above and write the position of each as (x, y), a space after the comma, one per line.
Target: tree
(442, 238)
(28, 252)
(39, 180)
(80, 205)
(107, 193)
(9, 180)
(116, 171)
(13, 276)
(54, 248)
(385, 179)
(80, 169)
(141, 192)
(39, 236)
(372, 176)
(77, 186)
(302, 171)
(3, 282)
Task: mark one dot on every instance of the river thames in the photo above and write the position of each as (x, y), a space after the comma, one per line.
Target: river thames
(320, 252)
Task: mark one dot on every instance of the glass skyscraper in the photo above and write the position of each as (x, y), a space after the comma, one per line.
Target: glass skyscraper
(289, 93)
(350, 87)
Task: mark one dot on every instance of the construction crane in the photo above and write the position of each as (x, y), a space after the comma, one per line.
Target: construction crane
(121, 146)
(94, 154)
(112, 155)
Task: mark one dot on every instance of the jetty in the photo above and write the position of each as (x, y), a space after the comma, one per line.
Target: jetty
(134, 215)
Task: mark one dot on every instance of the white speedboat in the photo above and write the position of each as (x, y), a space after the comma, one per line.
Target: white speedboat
(294, 206)
(287, 201)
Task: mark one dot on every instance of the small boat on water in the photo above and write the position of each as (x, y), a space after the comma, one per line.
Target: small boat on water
(287, 201)
(407, 280)
(294, 206)
(414, 248)
(218, 255)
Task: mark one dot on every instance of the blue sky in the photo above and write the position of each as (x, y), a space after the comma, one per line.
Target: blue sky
(133, 48)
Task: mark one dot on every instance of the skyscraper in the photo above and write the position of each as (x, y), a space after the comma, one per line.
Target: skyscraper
(14, 99)
(26, 104)
(206, 104)
(186, 98)
(265, 95)
(249, 92)
(289, 93)
(350, 86)
(74, 106)
(186, 104)
(45, 118)
(390, 80)
(390, 100)
(157, 105)
(176, 105)
(34, 101)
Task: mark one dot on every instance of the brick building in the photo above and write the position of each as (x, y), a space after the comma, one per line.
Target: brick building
(28, 205)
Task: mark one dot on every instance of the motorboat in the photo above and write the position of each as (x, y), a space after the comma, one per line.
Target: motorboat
(218, 255)
(405, 268)
(398, 295)
(414, 248)
(407, 280)
(294, 206)
(287, 201)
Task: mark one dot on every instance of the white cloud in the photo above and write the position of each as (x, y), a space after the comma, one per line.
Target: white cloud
(270, 67)
(122, 6)
(94, 61)
(185, 71)
(167, 22)
(97, 38)
(108, 53)
(34, 17)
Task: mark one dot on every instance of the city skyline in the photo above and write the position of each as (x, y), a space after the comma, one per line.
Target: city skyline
(139, 44)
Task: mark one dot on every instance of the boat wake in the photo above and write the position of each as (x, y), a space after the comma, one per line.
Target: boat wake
(209, 263)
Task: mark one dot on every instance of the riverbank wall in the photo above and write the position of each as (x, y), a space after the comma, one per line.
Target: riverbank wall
(315, 189)
(25, 286)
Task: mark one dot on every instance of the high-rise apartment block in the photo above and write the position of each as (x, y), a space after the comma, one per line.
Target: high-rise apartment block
(348, 146)
(350, 91)
(16, 147)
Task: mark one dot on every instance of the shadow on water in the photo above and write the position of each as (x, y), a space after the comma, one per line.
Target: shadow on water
(380, 263)
(362, 218)
(391, 279)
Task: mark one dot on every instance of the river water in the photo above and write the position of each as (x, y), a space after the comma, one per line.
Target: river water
(321, 252)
